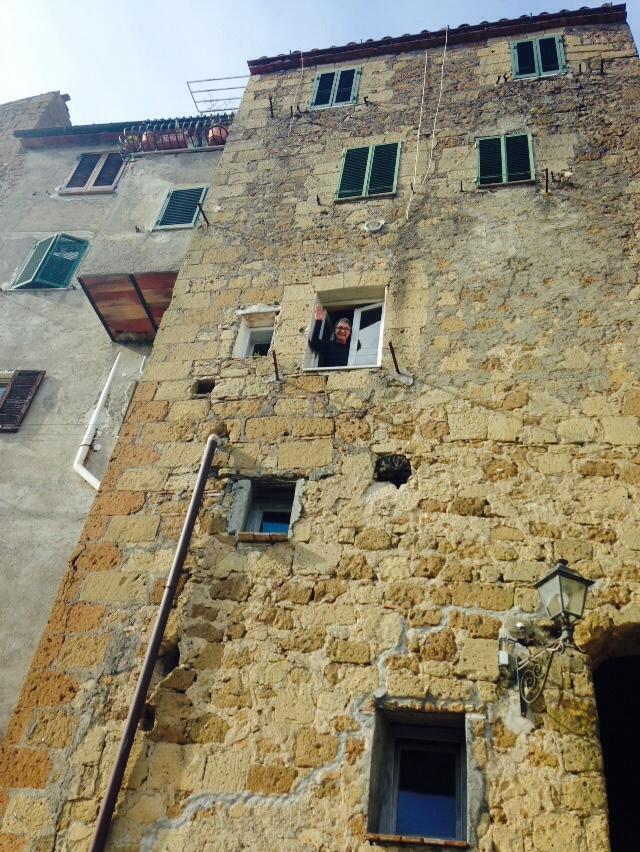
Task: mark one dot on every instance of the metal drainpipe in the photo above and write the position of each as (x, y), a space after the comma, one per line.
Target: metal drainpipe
(137, 703)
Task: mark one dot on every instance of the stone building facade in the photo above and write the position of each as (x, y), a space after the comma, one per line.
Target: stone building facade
(43, 501)
(512, 312)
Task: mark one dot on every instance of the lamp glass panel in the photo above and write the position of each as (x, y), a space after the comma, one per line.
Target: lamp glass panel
(573, 593)
(551, 596)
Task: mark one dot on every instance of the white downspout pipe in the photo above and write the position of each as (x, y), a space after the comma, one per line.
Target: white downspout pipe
(83, 449)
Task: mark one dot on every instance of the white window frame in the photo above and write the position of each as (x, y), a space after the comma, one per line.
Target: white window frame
(89, 187)
(310, 362)
(255, 319)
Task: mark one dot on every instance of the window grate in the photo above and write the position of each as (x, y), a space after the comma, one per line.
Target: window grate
(181, 208)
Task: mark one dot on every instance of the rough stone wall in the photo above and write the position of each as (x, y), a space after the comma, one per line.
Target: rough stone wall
(515, 312)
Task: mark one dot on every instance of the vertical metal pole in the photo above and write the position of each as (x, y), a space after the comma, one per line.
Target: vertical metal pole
(137, 703)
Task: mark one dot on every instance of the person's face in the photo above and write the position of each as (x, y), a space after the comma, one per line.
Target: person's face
(343, 332)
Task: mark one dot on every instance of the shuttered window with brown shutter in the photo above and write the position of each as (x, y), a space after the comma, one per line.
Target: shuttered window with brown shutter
(98, 172)
(16, 399)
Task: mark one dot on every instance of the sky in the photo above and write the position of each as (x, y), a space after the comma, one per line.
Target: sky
(127, 60)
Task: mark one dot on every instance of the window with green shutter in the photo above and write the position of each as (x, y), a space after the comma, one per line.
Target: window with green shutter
(335, 88)
(369, 171)
(52, 263)
(538, 57)
(180, 209)
(505, 159)
(94, 173)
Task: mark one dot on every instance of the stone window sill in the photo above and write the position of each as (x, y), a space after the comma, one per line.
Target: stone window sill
(343, 369)
(265, 538)
(530, 182)
(407, 840)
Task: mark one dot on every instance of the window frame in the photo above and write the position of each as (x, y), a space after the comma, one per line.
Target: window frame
(562, 63)
(184, 226)
(249, 506)
(350, 304)
(503, 155)
(255, 318)
(21, 383)
(337, 72)
(89, 188)
(410, 730)
(367, 174)
(53, 241)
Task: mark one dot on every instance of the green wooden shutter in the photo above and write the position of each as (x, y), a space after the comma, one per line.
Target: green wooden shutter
(562, 62)
(62, 260)
(518, 158)
(32, 265)
(384, 169)
(547, 55)
(322, 89)
(16, 402)
(110, 170)
(354, 171)
(489, 160)
(524, 59)
(180, 208)
(347, 87)
(83, 171)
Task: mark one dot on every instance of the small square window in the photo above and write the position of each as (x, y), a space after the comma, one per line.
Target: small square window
(265, 509)
(344, 336)
(256, 331)
(418, 776)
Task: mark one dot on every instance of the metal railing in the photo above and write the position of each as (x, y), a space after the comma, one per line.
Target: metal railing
(176, 134)
(217, 98)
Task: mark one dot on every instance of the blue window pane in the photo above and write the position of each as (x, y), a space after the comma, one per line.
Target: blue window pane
(275, 522)
(427, 794)
(3, 390)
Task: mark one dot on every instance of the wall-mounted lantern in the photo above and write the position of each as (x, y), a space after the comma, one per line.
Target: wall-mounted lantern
(563, 593)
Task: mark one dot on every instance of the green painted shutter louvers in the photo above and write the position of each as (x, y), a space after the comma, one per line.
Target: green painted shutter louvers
(354, 171)
(181, 208)
(335, 88)
(369, 171)
(489, 161)
(518, 159)
(383, 171)
(505, 159)
(52, 263)
(538, 57)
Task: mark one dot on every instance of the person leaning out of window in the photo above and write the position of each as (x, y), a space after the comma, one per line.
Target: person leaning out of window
(334, 351)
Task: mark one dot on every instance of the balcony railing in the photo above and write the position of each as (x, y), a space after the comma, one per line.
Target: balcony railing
(176, 134)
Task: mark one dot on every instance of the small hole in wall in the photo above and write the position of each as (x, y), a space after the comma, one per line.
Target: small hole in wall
(148, 717)
(393, 468)
(202, 387)
(169, 661)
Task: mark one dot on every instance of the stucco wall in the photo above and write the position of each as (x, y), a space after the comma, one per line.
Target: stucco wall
(43, 503)
(515, 313)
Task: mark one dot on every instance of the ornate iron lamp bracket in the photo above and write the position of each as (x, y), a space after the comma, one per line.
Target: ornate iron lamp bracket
(532, 672)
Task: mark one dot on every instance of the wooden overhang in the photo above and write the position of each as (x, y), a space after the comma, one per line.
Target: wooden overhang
(130, 307)
(465, 33)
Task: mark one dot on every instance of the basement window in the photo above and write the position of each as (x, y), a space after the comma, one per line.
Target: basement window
(335, 88)
(265, 510)
(95, 173)
(51, 264)
(256, 331)
(538, 57)
(418, 778)
(369, 171)
(180, 208)
(363, 347)
(505, 159)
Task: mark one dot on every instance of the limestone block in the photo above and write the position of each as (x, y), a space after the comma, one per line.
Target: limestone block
(631, 538)
(503, 427)
(372, 539)
(114, 587)
(467, 426)
(314, 749)
(130, 529)
(556, 832)
(577, 430)
(28, 816)
(621, 430)
(83, 650)
(270, 780)
(304, 455)
(178, 766)
(355, 653)
(479, 659)
(551, 464)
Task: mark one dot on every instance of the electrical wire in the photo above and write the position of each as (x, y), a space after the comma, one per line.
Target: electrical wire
(435, 123)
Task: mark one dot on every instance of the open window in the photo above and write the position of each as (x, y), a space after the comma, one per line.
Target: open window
(335, 88)
(326, 347)
(538, 57)
(255, 334)
(264, 510)
(98, 172)
(418, 777)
